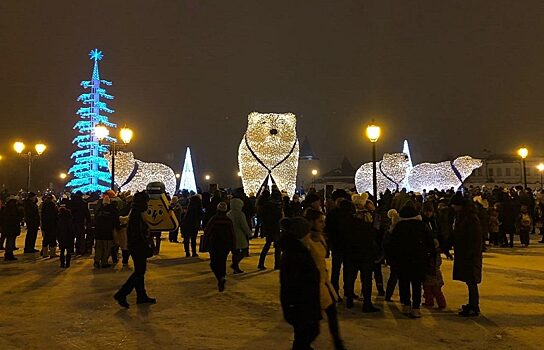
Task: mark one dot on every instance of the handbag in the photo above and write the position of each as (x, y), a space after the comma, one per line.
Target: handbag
(203, 245)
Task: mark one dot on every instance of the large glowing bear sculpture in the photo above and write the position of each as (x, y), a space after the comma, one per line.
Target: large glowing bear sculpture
(269, 152)
(133, 175)
(443, 175)
(391, 171)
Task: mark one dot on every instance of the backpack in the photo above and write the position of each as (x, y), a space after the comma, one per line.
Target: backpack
(525, 220)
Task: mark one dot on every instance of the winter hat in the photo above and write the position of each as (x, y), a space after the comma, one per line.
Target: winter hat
(312, 197)
(359, 199)
(297, 227)
(457, 199)
(408, 211)
(111, 193)
(139, 202)
(339, 193)
(222, 206)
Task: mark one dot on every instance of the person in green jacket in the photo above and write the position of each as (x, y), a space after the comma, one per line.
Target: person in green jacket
(242, 232)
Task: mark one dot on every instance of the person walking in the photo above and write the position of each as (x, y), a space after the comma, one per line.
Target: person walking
(328, 298)
(106, 221)
(242, 233)
(81, 217)
(175, 206)
(32, 220)
(191, 224)
(272, 213)
(299, 284)
(67, 236)
(412, 251)
(140, 248)
(220, 241)
(10, 220)
(49, 218)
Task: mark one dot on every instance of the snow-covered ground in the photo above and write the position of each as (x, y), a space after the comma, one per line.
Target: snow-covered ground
(45, 307)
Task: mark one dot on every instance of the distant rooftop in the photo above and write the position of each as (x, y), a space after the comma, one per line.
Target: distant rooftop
(306, 152)
(345, 170)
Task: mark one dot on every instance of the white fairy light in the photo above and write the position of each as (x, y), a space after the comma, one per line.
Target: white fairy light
(443, 175)
(139, 174)
(390, 174)
(273, 139)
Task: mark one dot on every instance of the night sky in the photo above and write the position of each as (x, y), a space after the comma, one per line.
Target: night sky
(453, 77)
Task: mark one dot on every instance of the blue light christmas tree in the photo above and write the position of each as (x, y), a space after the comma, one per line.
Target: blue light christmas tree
(90, 170)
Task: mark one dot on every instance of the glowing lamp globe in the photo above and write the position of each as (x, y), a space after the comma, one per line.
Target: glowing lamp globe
(40, 148)
(178, 176)
(314, 172)
(126, 135)
(19, 147)
(207, 177)
(63, 176)
(373, 133)
(101, 132)
(540, 167)
(523, 152)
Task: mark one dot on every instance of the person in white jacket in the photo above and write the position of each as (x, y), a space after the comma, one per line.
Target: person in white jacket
(242, 232)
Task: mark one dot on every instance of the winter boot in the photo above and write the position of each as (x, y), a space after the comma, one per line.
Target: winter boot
(62, 260)
(381, 291)
(406, 309)
(349, 302)
(121, 300)
(369, 308)
(145, 300)
(469, 311)
(126, 254)
(44, 252)
(53, 252)
(115, 254)
(68, 259)
(428, 296)
(9, 257)
(415, 313)
(221, 284)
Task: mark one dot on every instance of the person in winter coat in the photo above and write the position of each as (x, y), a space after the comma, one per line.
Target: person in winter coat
(67, 235)
(106, 221)
(32, 219)
(10, 221)
(432, 286)
(220, 241)
(494, 225)
(467, 244)
(175, 205)
(272, 213)
(191, 224)
(524, 224)
(242, 233)
(81, 217)
(412, 251)
(140, 248)
(299, 284)
(394, 217)
(328, 298)
(49, 227)
(259, 206)
(360, 252)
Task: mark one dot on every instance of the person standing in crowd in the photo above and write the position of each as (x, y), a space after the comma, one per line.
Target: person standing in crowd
(432, 286)
(524, 224)
(394, 217)
(49, 227)
(178, 211)
(140, 248)
(412, 249)
(67, 235)
(494, 225)
(299, 284)
(328, 298)
(10, 221)
(219, 242)
(32, 219)
(467, 244)
(81, 217)
(272, 213)
(336, 229)
(191, 224)
(242, 233)
(360, 252)
(106, 221)
(263, 198)
(507, 219)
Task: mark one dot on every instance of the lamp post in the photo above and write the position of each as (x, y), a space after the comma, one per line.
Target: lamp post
(314, 173)
(373, 134)
(102, 132)
(540, 168)
(19, 147)
(523, 152)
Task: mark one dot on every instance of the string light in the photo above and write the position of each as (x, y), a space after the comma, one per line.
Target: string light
(139, 173)
(188, 181)
(391, 173)
(273, 139)
(443, 175)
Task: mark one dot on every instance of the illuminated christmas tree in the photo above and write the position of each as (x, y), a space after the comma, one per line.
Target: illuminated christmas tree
(90, 170)
(188, 175)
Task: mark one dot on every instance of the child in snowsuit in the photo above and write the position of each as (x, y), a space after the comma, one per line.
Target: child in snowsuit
(432, 286)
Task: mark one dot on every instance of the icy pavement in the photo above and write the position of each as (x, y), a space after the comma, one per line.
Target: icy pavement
(45, 307)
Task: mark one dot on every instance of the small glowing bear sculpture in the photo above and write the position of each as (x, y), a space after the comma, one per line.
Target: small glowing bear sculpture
(391, 171)
(269, 152)
(443, 175)
(133, 175)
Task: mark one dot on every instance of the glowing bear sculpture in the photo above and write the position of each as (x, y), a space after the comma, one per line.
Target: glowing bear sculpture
(133, 175)
(269, 152)
(391, 171)
(443, 175)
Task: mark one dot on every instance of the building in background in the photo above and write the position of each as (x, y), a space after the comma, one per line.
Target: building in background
(308, 164)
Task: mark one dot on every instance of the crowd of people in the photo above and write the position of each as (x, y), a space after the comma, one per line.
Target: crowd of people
(407, 232)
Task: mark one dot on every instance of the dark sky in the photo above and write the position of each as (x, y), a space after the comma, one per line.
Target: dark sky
(453, 77)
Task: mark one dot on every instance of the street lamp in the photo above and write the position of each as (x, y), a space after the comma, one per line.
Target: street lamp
(62, 176)
(207, 177)
(178, 175)
(125, 134)
(373, 134)
(314, 173)
(540, 168)
(523, 153)
(39, 148)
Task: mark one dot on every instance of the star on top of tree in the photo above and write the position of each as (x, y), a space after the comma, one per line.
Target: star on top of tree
(96, 55)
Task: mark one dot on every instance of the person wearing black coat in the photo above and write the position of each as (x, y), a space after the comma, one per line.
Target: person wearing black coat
(49, 226)
(106, 221)
(412, 254)
(271, 214)
(67, 235)
(299, 284)
(81, 217)
(140, 248)
(191, 224)
(10, 220)
(32, 219)
(219, 242)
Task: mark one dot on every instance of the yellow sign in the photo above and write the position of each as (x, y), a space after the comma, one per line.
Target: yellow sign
(158, 216)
